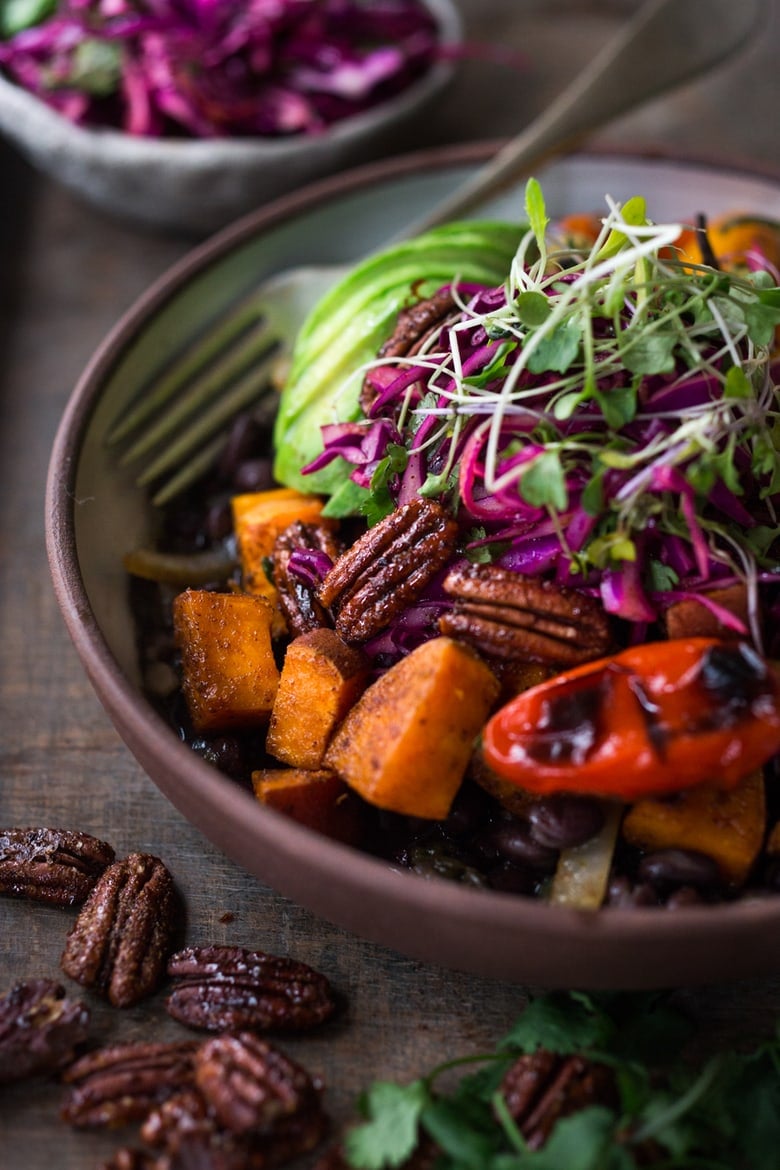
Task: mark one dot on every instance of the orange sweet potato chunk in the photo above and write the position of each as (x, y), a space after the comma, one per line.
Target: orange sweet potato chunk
(727, 825)
(258, 518)
(317, 799)
(406, 743)
(322, 677)
(229, 676)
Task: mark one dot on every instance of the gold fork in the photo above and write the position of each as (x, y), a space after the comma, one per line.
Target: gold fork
(174, 431)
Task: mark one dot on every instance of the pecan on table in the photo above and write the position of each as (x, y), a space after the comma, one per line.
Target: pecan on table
(250, 1085)
(40, 1029)
(131, 1159)
(225, 988)
(297, 599)
(116, 1085)
(119, 943)
(414, 327)
(387, 568)
(508, 616)
(58, 866)
(251, 1108)
(542, 1087)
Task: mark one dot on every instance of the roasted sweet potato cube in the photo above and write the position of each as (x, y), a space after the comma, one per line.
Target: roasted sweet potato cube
(322, 677)
(258, 518)
(727, 825)
(317, 799)
(406, 743)
(229, 675)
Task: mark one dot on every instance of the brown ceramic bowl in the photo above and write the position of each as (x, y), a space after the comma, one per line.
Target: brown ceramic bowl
(95, 514)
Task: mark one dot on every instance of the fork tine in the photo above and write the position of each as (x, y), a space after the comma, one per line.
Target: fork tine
(234, 361)
(247, 390)
(192, 470)
(197, 354)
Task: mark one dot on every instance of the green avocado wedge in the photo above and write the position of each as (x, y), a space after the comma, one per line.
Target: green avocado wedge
(348, 325)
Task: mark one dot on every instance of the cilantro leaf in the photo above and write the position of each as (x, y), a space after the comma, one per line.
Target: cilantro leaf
(390, 1134)
(561, 1023)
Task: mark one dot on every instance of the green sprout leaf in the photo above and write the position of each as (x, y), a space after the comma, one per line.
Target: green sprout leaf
(535, 210)
(533, 308)
(634, 212)
(544, 483)
(16, 15)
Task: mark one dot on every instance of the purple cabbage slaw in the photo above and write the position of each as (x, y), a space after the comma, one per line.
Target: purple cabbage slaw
(685, 546)
(216, 68)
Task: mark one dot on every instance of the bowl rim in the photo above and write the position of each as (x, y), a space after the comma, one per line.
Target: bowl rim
(90, 141)
(126, 705)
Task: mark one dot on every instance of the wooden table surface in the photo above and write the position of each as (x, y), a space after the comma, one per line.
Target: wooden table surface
(66, 273)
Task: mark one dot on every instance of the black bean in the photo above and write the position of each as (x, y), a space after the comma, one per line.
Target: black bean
(433, 860)
(468, 813)
(512, 879)
(562, 822)
(511, 841)
(219, 520)
(623, 894)
(225, 752)
(254, 475)
(246, 438)
(679, 867)
(684, 897)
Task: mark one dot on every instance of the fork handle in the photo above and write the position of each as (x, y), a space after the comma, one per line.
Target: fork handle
(664, 44)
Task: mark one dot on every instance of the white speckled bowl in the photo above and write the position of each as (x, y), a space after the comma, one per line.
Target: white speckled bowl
(197, 186)
(95, 513)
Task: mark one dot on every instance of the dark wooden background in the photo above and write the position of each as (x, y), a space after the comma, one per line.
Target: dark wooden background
(66, 274)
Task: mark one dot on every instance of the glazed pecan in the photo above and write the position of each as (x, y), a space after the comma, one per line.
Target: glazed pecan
(388, 568)
(51, 865)
(543, 1087)
(230, 988)
(40, 1029)
(250, 1085)
(414, 327)
(297, 601)
(694, 619)
(130, 1159)
(508, 616)
(119, 943)
(116, 1085)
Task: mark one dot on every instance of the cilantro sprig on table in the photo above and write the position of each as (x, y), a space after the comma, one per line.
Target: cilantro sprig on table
(720, 1114)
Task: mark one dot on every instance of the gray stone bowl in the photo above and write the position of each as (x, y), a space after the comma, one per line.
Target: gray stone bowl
(196, 186)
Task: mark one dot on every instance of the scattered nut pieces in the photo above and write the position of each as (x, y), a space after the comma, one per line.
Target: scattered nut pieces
(225, 988)
(119, 943)
(40, 1029)
(122, 1083)
(57, 866)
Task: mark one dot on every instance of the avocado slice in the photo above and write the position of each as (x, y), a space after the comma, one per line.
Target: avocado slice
(348, 325)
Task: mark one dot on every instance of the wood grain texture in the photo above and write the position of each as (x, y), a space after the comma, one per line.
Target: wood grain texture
(66, 275)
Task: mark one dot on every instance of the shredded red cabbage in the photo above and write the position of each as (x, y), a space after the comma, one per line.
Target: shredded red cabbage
(212, 68)
(681, 548)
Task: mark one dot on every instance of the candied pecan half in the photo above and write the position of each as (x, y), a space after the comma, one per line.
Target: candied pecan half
(414, 326)
(250, 1085)
(693, 619)
(40, 1029)
(508, 616)
(230, 988)
(387, 568)
(122, 1083)
(297, 601)
(542, 1087)
(119, 943)
(58, 866)
(131, 1159)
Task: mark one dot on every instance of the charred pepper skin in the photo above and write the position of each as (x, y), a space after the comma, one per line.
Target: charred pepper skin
(650, 721)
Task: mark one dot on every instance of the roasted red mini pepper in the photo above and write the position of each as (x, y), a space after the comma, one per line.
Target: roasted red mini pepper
(653, 720)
